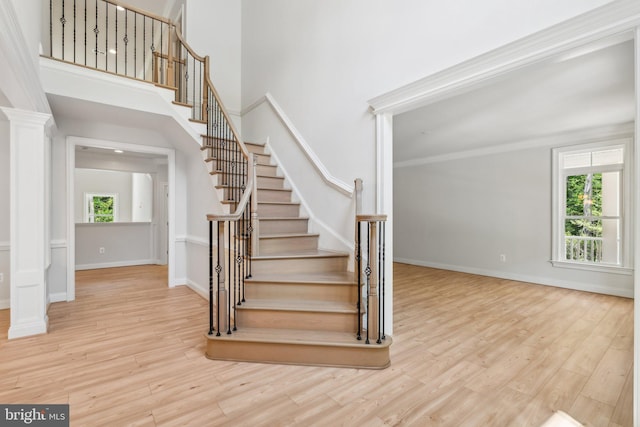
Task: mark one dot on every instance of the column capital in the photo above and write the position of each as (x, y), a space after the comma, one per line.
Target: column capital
(27, 117)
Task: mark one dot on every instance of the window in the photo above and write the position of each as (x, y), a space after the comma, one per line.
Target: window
(101, 207)
(591, 202)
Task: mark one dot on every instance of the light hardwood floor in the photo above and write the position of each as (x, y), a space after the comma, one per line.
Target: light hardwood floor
(468, 351)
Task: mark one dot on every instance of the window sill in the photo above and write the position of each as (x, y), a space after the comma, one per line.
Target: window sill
(614, 269)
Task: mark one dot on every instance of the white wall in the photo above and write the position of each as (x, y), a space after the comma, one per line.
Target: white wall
(4, 212)
(103, 181)
(322, 60)
(463, 214)
(214, 29)
(124, 243)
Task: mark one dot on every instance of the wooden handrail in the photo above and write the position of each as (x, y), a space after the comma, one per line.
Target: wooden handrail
(210, 85)
(186, 45)
(244, 201)
(140, 11)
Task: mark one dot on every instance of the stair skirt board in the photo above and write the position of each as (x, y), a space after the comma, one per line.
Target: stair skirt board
(357, 355)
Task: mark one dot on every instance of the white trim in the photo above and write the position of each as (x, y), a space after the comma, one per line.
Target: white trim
(612, 269)
(27, 329)
(348, 245)
(197, 288)
(331, 180)
(4, 304)
(5, 246)
(623, 130)
(72, 141)
(58, 244)
(609, 20)
(195, 240)
(58, 297)
(115, 264)
(546, 281)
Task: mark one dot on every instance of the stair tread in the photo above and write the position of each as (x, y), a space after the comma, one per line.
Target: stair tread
(274, 189)
(282, 218)
(300, 305)
(311, 253)
(338, 277)
(286, 235)
(298, 336)
(279, 203)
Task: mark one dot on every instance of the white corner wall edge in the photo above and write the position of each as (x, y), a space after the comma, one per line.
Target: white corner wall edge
(612, 19)
(332, 181)
(18, 59)
(314, 219)
(545, 281)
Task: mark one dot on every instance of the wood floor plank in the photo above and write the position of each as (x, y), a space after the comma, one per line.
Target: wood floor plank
(468, 350)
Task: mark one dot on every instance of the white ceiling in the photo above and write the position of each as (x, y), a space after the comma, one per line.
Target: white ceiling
(580, 90)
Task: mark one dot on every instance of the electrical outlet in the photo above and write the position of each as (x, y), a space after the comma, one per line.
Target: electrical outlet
(101, 250)
(503, 258)
(1, 277)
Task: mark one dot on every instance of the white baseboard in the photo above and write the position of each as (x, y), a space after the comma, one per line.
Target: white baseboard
(546, 281)
(114, 264)
(198, 289)
(27, 329)
(4, 304)
(58, 297)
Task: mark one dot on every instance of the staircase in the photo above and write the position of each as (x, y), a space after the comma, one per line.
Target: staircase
(300, 303)
(274, 295)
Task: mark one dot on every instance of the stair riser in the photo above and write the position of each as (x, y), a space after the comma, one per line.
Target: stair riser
(287, 244)
(371, 357)
(274, 195)
(268, 210)
(227, 194)
(312, 321)
(301, 291)
(270, 182)
(298, 265)
(266, 170)
(257, 149)
(282, 226)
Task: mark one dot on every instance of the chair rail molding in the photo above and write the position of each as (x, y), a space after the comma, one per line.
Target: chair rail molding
(331, 180)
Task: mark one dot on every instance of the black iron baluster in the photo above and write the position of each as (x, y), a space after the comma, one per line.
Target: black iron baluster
(359, 262)
(236, 265)
(379, 284)
(74, 31)
(368, 274)
(63, 21)
(51, 28)
(383, 267)
(211, 278)
(219, 270)
(106, 36)
(135, 44)
(95, 32)
(144, 47)
(125, 39)
(85, 32)
(116, 45)
(229, 278)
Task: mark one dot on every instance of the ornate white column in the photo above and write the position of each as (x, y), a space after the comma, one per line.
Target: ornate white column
(29, 220)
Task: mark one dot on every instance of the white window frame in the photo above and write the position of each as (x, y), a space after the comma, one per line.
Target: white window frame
(559, 205)
(88, 197)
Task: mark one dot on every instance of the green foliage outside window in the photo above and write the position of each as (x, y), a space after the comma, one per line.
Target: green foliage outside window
(584, 198)
(103, 209)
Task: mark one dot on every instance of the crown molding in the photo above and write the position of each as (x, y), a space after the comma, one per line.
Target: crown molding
(612, 19)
